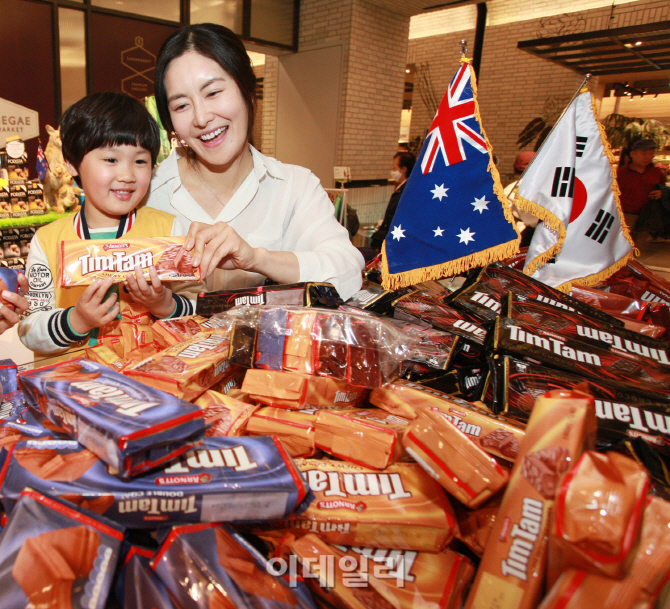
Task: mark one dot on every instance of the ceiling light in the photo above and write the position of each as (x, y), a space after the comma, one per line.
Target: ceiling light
(407, 71)
(638, 43)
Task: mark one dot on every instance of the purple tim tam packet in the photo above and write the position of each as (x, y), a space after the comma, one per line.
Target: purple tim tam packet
(213, 567)
(9, 280)
(226, 479)
(19, 422)
(142, 589)
(53, 554)
(128, 425)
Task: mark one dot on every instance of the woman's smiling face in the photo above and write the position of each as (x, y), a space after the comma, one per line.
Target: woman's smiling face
(207, 109)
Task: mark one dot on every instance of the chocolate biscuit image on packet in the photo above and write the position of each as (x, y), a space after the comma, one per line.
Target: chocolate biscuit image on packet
(168, 332)
(225, 415)
(464, 470)
(226, 479)
(512, 569)
(82, 262)
(640, 588)
(368, 437)
(212, 567)
(53, 554)
(400, 507)
(186, 369)
(598, 516)
(295, 428)
(300, 391)
(494, 434)
(129, 425)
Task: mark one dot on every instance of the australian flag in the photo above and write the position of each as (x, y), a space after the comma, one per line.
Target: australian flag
(452, 215)
(41, 163)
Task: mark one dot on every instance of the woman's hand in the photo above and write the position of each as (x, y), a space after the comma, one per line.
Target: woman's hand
(9, 318)
(91, 311)
(154, 296)
(219, 245)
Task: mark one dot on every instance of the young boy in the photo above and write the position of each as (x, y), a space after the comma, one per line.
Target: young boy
(110, 145)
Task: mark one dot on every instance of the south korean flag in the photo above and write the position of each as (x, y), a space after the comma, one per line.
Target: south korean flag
(570, 185)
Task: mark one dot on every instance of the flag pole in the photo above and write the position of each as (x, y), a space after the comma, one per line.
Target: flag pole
(585, 82)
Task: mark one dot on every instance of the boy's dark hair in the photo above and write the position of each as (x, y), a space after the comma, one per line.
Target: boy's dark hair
(219, 44)
(107, 119)
(405, 159)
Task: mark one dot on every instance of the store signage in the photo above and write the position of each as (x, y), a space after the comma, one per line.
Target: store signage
(141, 63)
(17, 120)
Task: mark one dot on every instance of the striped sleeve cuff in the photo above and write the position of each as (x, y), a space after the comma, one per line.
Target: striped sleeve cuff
(183, 306)
(60, 331)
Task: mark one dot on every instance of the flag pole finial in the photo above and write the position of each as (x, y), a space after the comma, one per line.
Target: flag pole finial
(464, 47)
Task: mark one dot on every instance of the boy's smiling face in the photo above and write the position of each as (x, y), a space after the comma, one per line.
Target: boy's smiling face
(115, 180)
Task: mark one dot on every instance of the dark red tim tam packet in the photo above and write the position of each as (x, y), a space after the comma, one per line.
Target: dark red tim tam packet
(622, 414)
(485, 288)
(574, 325)
(539, 345)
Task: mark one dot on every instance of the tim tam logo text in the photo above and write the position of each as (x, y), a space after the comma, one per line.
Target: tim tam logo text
(337, 484)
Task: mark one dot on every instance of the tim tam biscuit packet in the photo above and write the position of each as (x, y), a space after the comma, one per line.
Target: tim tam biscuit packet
(475, 526)
(53, 554)
(492, 433)
(102, 354)
(300, 391)
(418, 308)
(622, 413)
(539, 345)
(598, 516)
(82, 262)
(8, 373)
(186, 369)
(462, 468)
(130, 426)
(576, 589)
(294, 294)
(226, 479)
(512, 569)
(225, 415)
(9, 280)
(169, 332)
(369, 437)
(482, 294)
(400, 507)
(359, 349)
(373, 297)
(213, 567)
(142, 588)
(573, 325)
(411, 580)
(295, 428)
(19, 422)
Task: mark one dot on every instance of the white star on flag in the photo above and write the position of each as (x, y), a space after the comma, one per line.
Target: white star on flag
(480, 204)
(465, 236)
(438, 232)
(439, 192)
(397, 232)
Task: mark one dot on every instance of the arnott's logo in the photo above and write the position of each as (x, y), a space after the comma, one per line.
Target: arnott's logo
(116, 246)
(339, 504)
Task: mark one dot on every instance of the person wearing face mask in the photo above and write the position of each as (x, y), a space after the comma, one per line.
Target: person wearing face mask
(403, 162)
(251, 217)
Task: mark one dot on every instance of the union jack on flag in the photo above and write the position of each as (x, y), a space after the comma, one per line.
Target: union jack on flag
(449, 129)
(41, 165)
(451, 215)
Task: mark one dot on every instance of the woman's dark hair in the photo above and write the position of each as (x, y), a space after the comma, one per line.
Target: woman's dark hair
(405, 159)
(219, 44)
(107, 119)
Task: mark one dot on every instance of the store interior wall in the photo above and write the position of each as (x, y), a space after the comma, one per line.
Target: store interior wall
(308, 94)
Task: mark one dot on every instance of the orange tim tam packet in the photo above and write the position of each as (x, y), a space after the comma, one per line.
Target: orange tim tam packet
(598, 515)
(295, 428)
(82, 262)
(369, 437)
(401, 507)
(511, 573)
(648, 574)
(186, 369)
(454, 460)
(224, 415)
(172, 331)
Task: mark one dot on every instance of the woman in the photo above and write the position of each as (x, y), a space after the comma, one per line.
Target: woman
(403, 163)
(250, 216)
(9, 318)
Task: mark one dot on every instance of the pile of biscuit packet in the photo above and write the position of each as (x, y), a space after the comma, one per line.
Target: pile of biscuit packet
(483, 442)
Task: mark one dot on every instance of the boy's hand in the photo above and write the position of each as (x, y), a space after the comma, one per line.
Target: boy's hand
(154, 296)
(90, 311)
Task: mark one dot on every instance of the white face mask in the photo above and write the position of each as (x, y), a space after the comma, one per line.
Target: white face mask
(396, 176)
